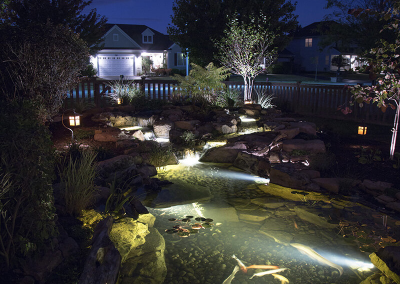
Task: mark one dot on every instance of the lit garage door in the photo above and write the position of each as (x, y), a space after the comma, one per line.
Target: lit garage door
(115, 66)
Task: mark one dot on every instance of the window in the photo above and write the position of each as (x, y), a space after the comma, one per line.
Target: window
(179, 59)
(308, 42)
(115, 37)
(148, 39)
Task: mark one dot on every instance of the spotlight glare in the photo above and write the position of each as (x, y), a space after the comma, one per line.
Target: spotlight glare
(131, 128)
(247, 119)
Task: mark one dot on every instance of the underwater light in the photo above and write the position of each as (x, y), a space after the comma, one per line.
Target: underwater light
(347, 261)
(261, 180)
(190, 160)
(162, 140)
(131, 128)
(246, 119)
(240, 176)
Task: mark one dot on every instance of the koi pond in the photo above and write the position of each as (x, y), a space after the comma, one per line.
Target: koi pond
(243, 234)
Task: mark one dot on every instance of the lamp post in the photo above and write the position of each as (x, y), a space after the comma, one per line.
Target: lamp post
(74, 120)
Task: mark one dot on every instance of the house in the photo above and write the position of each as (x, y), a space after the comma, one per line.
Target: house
(124, 47)
(310, 57)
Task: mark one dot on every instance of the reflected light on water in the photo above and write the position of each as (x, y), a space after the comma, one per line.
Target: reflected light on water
(240, 176)
(348, 261)
(190, 160)
(247, 119)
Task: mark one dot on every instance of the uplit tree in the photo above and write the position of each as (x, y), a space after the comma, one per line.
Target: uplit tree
(196, 24)
(384, 58)
(244, 48)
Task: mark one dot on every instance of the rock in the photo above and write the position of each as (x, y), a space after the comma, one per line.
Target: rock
(266, 203)
(385, 199)
(187, 124)
(103, 262)
(220, 212)
(139, 135)
(40, 268)
(312, 216)
(236, 145)
(387, 260)
(68, 246)
(393, 205)
(252, 164)
(314, 146)
(219, 155)
(286, 176)
(274, 158)
(273, 126)
(225, 128)
(375, 185)
(278, 230)
(145, 120)
(254, 216)
(173, 114)
(161, 128)
(310, 174)
(146, 264)
(289, 132)
(109, 134)
(330, 184)
(305, 127)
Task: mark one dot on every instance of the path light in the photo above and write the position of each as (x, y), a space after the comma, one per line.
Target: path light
(74, 120)
(362, 130)
(119, 101)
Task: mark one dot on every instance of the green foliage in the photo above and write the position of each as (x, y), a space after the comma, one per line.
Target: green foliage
(41, 65)
(203, 85)
(188, 138)
(244, 48)
(264, 99)
(80, 134)
(124, 90)
(228, 98)
(146, 64)
(368, 155)
(159, 155)
(26, 174)
(90, 71)
(197, 23)
(120, 195)
(78, 180)
(298, 153)
(26, 14)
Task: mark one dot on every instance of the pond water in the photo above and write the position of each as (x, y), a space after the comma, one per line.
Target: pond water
(245, 221)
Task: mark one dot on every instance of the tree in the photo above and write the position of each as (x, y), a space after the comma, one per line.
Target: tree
(197, 24)
(384, 58)
(356, 34)
(243, 48)
(41, 65)
(25, 14)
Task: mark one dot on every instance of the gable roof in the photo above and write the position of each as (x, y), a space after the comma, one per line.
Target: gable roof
(315, 29)
(160, 41)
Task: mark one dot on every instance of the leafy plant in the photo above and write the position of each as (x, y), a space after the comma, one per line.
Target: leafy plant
(203, 85)
(78, 179)
(159, 155)
(264, 99)
(228, 98)
(119, 196)
(188, 138)
(125, 91)
(368, 155)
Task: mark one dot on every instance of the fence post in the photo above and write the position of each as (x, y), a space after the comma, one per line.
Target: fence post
(96, 86)
(141, 84)
(297, 100)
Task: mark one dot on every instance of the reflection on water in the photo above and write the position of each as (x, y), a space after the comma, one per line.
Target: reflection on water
(255, 227)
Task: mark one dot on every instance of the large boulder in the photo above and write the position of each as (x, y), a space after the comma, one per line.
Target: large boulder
(387, 260)
(220, 155)
(252, 164)
(312, 146)
(109, 134)
(161, 128)
(305, 127)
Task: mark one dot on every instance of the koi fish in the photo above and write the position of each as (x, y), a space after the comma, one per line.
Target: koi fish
(241, 265)
(230, 278)
(283, 279)
(316, 256)
(262, 267)
(268, 272)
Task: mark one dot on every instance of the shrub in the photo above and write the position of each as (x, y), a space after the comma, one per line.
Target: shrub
(159, 155)
(27, 170)
(229, 98)
(124, 90)
(264, 99)
(78, 180)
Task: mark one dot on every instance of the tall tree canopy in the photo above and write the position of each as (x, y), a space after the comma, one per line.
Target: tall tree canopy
(25, 14)
(197, 24)
(356, 31)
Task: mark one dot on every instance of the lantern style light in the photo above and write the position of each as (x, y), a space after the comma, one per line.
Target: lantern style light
(362, 130)
(119, 101)
(75, 119)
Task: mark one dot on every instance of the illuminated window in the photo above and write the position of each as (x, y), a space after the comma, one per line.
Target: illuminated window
(308, 42)
(179, 59)
(115, 37)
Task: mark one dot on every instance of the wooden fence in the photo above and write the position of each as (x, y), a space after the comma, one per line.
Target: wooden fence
(307, 99)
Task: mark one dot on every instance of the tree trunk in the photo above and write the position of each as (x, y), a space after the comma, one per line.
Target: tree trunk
(394, 130)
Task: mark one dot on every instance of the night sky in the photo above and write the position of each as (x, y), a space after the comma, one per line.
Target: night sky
(156, 14)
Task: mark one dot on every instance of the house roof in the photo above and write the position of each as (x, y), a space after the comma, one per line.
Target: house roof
(160, 41)
(315, 29)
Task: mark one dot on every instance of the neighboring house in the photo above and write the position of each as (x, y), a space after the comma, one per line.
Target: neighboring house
(308, 55)
(124, 47)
